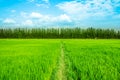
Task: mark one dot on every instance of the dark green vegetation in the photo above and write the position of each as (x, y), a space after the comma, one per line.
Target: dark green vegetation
(55, 59)
(62, 33)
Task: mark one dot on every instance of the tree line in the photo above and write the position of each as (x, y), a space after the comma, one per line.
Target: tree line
(63, 33)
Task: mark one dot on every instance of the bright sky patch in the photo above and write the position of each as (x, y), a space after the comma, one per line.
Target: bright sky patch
(97, 13)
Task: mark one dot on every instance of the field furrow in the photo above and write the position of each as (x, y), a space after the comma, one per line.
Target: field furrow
(61, 70)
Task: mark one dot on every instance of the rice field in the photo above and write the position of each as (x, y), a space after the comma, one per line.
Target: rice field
(59, 59)
(92, 59)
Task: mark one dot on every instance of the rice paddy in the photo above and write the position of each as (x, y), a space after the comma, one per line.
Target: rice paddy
(59, 59)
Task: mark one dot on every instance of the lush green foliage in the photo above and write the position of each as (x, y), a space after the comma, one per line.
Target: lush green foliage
(59, 33)
(28, 59)
(92, 59)
(55, 59)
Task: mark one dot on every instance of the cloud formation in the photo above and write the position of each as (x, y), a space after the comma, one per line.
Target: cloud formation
(73, 12)
(28, 22)
(36, 15)
(35, 18)
(64, 17)
(89, 8)
(9, 21)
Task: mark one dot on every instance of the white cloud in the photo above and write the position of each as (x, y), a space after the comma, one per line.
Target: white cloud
(64, 17)
(49, 18)
(36, 15)
(88, 8)
(28, 22)
(35, 18)
(60, 18)
(9, 21)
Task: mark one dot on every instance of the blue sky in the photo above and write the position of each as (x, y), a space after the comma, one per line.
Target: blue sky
(83, 13)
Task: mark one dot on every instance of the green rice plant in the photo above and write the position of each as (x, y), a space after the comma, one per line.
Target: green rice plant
(59, 59)
(93, 59)
(28, 59)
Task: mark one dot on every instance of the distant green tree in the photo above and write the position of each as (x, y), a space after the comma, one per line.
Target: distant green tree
(60, 33)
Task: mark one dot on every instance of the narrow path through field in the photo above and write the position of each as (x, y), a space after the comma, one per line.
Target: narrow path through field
(61, 69)
(59, 72)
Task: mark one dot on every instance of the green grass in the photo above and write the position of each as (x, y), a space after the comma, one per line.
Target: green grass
(55, 59)
(28, 59)
(93, 59)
